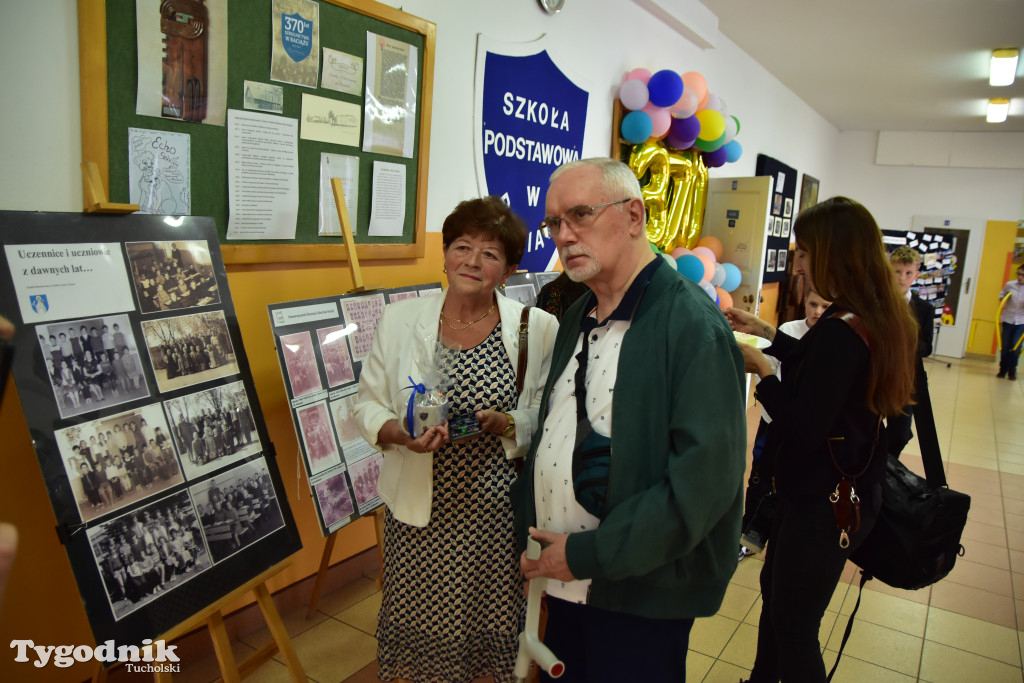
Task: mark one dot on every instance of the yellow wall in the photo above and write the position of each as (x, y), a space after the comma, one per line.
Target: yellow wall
(41, 601)
(996, 268)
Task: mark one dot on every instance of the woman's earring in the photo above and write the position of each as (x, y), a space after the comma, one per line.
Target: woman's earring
(502, 286)
(444, 269)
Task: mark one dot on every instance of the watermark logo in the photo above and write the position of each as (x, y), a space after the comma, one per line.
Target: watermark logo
(157, 657)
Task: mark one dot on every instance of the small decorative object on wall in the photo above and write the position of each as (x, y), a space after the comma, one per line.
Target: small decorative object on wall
(808, 192)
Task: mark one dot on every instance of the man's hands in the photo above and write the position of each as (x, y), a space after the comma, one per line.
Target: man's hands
(552, 563)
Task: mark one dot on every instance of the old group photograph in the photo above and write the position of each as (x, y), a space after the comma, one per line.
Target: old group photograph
(146, 553)
(172, 275)
(189, 349)
(117, 460)
(237, 508)
(212, 428)
(92, 363)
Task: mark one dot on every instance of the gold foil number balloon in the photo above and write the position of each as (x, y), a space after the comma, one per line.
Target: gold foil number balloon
(675, 194)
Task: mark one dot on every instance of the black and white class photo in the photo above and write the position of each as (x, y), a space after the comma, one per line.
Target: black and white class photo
(92, 363)
(117, 460)
(189, 349)
(237, 508)
(172, 275)
(147, 553)
(212, 428)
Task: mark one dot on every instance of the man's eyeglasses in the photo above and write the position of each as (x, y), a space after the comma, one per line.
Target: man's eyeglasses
(578, 218)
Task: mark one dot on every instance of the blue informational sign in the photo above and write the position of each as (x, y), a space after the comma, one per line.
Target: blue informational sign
(297, 36)
(533, 118)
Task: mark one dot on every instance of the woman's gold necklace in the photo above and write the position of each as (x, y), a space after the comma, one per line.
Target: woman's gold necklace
(466, 325)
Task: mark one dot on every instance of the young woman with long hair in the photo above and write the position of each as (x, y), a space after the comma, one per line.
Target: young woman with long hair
(852, 369)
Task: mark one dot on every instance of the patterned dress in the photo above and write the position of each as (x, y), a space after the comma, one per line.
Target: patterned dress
(453, 602)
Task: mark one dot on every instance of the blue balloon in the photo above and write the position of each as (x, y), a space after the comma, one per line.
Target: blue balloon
(637, 127)
(733, 151)
(732, 277)
(690, 267)
(665, 88)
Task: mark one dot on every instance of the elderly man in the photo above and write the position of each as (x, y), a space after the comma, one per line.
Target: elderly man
(634, 481)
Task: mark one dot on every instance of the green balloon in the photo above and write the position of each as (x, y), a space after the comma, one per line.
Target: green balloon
(737, 124)
(710, 145)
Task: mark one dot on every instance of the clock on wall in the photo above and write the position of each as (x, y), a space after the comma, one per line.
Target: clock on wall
(551, 6)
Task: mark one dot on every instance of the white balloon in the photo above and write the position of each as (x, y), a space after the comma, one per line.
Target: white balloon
(634, 94)
(719, 276)
(686, 106)
(713, 103)
(709, 289)
(731, 128)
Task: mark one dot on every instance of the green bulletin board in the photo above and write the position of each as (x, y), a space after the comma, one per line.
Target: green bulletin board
(108, 111)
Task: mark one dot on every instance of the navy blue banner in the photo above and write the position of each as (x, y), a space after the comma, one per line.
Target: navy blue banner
(533, 118)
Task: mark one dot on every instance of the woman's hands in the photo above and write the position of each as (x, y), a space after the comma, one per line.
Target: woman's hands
(748, 323)
(427, 442)
(492, 421)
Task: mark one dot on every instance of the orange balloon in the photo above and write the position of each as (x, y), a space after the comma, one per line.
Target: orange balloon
(724, 298)
(709, 266)
(714, 244)
(694, 81)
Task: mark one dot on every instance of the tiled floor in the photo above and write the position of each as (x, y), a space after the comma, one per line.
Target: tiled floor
(968, 627)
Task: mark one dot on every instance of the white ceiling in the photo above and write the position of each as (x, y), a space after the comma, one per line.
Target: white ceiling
(884, 65)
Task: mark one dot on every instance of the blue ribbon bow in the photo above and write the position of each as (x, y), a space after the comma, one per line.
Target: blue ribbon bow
(416, 389)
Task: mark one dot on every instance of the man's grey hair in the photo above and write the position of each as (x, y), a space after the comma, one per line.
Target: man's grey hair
(618, 177)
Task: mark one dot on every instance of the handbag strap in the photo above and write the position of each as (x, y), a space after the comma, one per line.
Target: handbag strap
(864, 576)
(931, 458)
(857, 325)
(524, 339)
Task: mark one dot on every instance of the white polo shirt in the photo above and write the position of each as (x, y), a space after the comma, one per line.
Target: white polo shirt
(557, 509)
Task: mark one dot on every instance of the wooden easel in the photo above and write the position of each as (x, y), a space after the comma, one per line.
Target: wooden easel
(212, 616)
(325, 560)
(95, 193)
(378, 514)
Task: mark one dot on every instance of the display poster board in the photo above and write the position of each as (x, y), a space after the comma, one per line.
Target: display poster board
(321, 345)
(245, 109)
(942, 253)
(525, 287)
(780, 207)
(138, 395)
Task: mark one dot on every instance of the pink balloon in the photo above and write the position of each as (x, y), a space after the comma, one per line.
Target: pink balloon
(709, 264)
(642, 75)
(704, 252)
(724, 298)
(660, 119)
(679, 251)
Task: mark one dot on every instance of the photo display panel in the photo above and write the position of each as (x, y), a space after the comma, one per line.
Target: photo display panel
(136, 389)
(321, 344)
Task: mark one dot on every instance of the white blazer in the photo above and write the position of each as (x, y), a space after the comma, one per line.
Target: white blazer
(406, 478)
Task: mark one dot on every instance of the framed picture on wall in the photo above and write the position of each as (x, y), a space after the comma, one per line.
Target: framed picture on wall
(808, 192)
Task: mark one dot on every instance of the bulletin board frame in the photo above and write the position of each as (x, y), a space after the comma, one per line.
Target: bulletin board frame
(95, 122)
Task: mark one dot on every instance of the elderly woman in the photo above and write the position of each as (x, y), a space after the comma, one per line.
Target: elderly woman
(453, 599)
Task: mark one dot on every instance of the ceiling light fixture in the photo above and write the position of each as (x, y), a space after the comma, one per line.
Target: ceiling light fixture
(1004, 66)
(998, 108)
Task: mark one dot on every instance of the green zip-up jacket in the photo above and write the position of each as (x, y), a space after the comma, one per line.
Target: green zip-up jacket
(666, 547)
